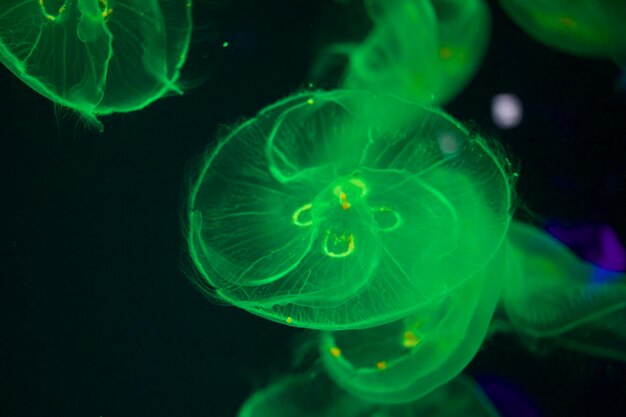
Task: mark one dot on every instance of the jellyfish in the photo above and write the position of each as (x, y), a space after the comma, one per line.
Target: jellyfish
(387, 226)
(548, 295)
(584, 28)
(424, 51)
(552, 295)
(405, 360)
(308, 395)
(96, 57)
(315, 395)
(345, 210)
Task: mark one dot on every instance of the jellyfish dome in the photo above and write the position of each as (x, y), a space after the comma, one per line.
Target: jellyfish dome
(422, 50)
(579, 27)
(96, 56)
(345, 210)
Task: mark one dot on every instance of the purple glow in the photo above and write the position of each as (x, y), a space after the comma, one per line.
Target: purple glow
(598, 244)
(508, 399)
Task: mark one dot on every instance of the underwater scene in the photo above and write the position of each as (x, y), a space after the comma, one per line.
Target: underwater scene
(313, 208)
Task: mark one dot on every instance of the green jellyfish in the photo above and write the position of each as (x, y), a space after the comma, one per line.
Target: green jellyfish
(346, 210)
(548, 296)
(552, 295)
(424, 51)
(307, 395)
(405, 360)
(387, 225)
(315, 395)
(588, 28)
(96, 57)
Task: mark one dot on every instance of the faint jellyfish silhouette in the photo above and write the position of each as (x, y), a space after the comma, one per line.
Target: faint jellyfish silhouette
(595, 29)
(552, 295)
(314, 395)
(424, 51)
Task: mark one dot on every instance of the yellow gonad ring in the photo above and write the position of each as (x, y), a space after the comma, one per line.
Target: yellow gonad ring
(50, 16)
(337, 240)
(387, 218)
(302, 216)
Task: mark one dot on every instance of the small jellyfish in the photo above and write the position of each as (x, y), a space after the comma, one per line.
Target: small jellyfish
(595, 29)
(405, 360)
(422, 50)
(96, 57)
(345, 210)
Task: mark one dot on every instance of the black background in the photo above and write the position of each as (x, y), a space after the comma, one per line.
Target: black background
(97, 317)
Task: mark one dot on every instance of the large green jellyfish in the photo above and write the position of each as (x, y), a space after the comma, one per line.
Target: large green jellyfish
(96, 56)
(589, 28)
(422, 50)
(387, 225)
(345, 210)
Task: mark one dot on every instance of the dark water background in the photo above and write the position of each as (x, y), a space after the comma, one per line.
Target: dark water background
(97, 317)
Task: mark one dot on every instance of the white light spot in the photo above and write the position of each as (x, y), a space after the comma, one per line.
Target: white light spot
(506, 111)
(448, 144)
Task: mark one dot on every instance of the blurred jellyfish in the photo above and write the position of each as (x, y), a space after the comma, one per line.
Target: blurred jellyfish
(421, 50)
(315, 395)
(595, 29)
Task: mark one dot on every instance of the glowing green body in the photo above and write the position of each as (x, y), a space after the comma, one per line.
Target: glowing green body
(96, 56)
(303, 214)
(424, 51)
(590, 28)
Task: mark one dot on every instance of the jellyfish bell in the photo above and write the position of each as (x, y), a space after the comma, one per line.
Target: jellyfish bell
(342, 210)
(589, 29)
(422, 50)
